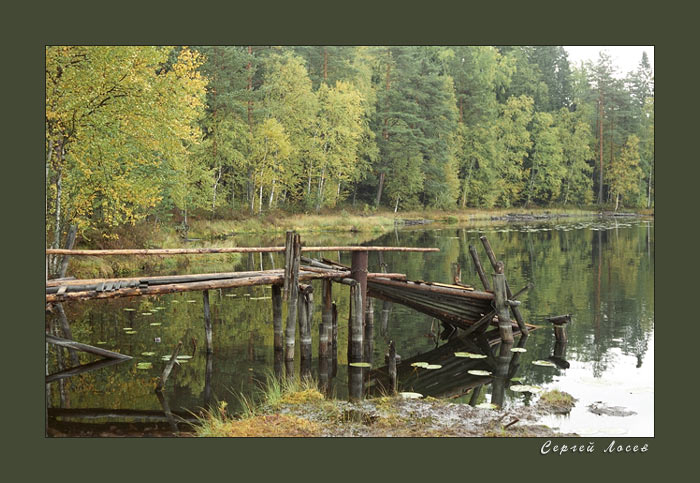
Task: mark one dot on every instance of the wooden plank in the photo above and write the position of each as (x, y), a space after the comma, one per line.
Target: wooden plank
(187, 287)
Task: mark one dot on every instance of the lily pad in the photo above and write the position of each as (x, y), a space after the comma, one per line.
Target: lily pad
(129, 309)
(176, 301)
(148, 354)
(183, 357)
(544, 363)
(410, 395)
(127, 328)
(144, 365)
(486, 406)
(433, 366)
(230, 295)
(360, 364)
(146, 313)
(525, 388)
(478, 372)
(516, 379)
(463, 354)
(518, 349)
(101, 342)
(191, 301)
(130, 332)
(420, 364)
(154, 324)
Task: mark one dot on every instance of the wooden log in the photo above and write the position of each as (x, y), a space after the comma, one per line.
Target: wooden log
(409, 285)
(509, 294)
(184, 287)
(207, 322)
(200, 251)
(504, 324)
(168, 367)
(277, 318)
(482, 322)
(392, 368)
(141, 415)
(167, 412)
(163, 279)
(479, 268)
(71, 344)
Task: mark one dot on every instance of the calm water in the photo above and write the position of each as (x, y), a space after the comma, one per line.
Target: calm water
(600, 271)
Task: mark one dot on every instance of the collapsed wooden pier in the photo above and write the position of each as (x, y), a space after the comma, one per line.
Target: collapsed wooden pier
(457, 305)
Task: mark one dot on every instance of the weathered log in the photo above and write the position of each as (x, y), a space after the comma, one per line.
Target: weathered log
(186, 287)
(71, 344)
(326, 318)
(509, 294)
(479, 268)
(168, 367)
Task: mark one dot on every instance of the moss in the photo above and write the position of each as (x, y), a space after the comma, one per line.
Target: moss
(557, 401)
(267, 425)
(302, 397)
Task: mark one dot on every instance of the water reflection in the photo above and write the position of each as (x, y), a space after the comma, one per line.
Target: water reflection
(600, 272)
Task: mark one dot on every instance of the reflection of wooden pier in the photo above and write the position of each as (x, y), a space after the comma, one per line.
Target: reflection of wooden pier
(457, 306)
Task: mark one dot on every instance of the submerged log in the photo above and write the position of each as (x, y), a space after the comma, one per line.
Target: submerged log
(71, 344)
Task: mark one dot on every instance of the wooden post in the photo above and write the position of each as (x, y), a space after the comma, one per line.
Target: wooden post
(498, 389)
(326, 327)
(559, 323)
(392, 368)
(277, 318)
(356, 329)
(334, 340)
(456, 274)
(479, 268)
(499, 289)
(291, 280)
(358, 271)
(207, 322)
(475, 395)
(508, 293)
(305, 302)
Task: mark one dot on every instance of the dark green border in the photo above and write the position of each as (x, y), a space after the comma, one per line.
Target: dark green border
(347, 23)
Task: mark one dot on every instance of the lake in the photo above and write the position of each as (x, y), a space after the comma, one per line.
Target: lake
(601, 271)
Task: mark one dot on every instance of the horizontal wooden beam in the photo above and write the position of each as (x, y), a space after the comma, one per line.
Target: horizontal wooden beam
(200, 251)
(192, 286)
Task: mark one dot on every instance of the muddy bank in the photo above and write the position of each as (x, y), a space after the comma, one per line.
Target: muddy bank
(377, 417)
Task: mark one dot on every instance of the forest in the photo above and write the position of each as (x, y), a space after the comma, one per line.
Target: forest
(171, 133)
